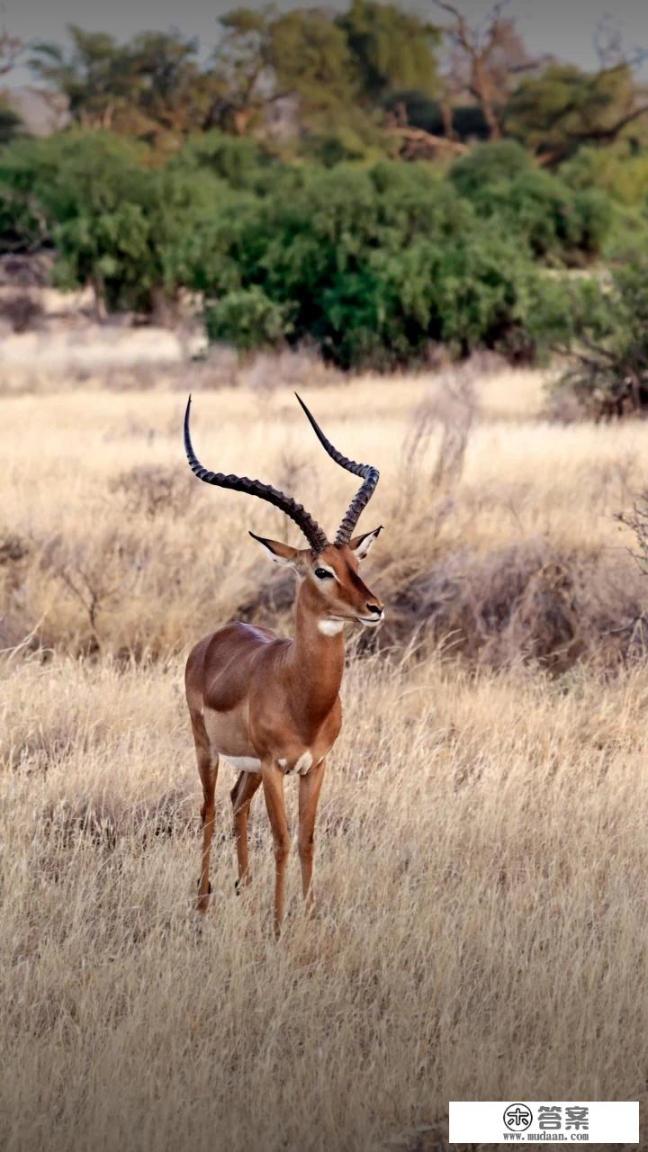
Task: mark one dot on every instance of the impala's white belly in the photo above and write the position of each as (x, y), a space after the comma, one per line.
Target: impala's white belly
(242, 763)
(224, 732)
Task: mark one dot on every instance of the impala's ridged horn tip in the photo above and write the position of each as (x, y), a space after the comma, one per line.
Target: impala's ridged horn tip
(369, 474)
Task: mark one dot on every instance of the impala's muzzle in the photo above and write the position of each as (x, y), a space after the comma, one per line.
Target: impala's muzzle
(376, 616)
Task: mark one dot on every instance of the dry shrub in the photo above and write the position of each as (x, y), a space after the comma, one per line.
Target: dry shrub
(529, 602)
(562, 406)
(451, 408)
(155, 490)
(216, 369)
(13, 548)
(211, 372)
(268, 371)
(21, 311)
(105, 820)
(25, 271)
(637, 521)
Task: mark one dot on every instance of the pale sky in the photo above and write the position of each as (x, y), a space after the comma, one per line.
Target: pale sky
(564, 28)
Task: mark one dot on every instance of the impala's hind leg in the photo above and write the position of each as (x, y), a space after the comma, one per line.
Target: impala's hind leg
(242, 794)
(208, 771)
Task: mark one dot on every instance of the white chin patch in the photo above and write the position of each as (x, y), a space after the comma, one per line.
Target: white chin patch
(330, 627)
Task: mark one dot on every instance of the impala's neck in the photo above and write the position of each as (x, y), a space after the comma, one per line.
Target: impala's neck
(317, 654)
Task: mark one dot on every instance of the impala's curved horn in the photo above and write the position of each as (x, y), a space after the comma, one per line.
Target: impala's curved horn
(304, 521)
(370, 476)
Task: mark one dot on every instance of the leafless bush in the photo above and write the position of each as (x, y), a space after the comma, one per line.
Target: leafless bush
(95, 583)
(637, 521)
(451, 405)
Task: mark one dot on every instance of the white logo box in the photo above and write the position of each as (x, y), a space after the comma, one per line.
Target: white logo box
(544, 1122)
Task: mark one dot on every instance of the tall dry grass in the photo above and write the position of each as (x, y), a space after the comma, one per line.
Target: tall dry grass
(108, 544)
(482, 919)
(481, 856)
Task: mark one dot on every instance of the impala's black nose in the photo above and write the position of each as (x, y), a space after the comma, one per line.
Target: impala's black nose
(375, 608)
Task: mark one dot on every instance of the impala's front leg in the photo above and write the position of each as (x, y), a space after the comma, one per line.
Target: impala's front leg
(273, 789)
(310, 787)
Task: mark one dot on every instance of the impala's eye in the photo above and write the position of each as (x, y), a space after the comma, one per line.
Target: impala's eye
(323, 574)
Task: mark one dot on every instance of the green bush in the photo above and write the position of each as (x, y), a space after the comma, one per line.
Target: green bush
(555, 221)
(116, 223)
(622, 175)
(247, 319)
(238, 161)
(489, 164)
(371, 263)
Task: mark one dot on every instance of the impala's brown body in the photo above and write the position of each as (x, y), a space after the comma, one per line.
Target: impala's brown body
(271, 706)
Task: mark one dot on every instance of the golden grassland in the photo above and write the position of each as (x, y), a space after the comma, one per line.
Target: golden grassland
(482, 918)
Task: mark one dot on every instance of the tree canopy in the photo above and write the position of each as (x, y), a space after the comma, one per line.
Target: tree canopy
(563, 108)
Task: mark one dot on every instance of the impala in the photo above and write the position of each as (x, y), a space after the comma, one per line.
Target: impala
(271, 706)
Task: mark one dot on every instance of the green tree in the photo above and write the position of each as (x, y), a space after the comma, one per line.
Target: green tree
(94, 76)
(327, 77)
(148, 87)
(371, 265)
(391, 50)
(310, 58)
(247, 319)
(555, 113)
(11, 48)
(242, 61)
(170, 93)
(484, 59)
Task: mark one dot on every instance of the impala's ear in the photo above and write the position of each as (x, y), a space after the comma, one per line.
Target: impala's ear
(279, 553)
(361, 544)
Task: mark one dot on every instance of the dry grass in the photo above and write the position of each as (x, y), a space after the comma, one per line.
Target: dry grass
(481, 933)
(481, 855)
(107, 544)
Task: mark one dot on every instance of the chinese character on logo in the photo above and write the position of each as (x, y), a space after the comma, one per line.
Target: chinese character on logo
(577, 1118)
(549, 1118)
(518, 1117)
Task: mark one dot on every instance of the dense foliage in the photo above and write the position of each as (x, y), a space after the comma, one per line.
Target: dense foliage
(372, 263)
(401, 198)
(345, 84)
